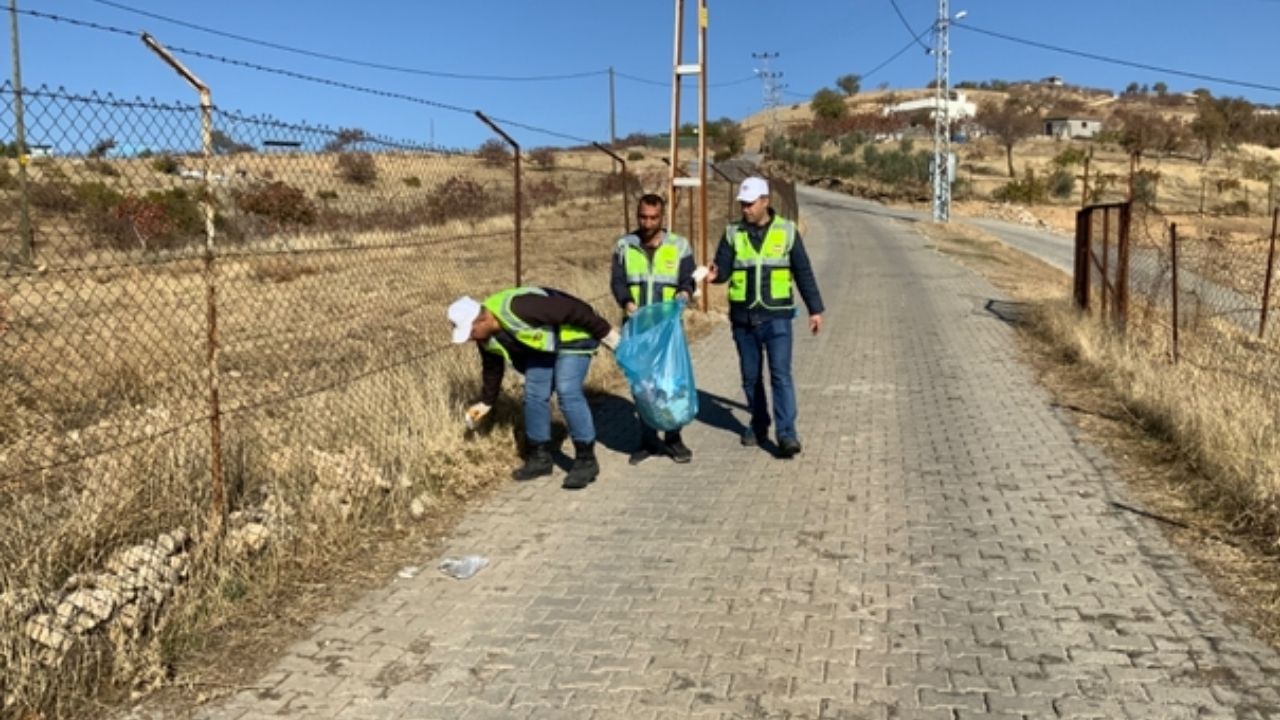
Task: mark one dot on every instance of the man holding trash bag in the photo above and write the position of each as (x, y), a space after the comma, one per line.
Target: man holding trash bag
(762, 258)
(550, 337)
(651, 265)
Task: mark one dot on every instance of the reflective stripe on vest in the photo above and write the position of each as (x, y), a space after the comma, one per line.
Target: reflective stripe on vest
(569, 339)
(773, 260)
(656, 282)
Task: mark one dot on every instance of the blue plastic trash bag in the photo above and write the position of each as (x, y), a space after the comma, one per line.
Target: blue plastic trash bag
(654, 356)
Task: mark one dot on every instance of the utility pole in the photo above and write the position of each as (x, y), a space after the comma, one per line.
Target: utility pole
(942, 116)
(770, 88)
(26, 253)
(613, 115)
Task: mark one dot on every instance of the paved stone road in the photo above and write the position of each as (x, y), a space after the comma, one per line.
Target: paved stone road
(943, 549)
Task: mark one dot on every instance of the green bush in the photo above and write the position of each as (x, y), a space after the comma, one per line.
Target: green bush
(1145, 183)
(52, 197)
(327, 194)
(635, 155)
(1062, 183)
(1069, 157)
(1029, 190)
(412, 181)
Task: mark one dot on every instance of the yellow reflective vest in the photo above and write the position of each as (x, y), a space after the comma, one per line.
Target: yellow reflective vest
(567, 339)
(656, 281)
(763, 279)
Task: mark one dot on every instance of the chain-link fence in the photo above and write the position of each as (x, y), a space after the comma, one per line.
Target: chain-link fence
(218, 342)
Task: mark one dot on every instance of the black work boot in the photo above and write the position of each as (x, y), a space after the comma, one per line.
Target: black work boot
(537, 463)
(649, 446)
(677, 449)
(585, 468)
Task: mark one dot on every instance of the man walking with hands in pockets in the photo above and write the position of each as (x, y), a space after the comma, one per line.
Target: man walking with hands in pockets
(764, 261)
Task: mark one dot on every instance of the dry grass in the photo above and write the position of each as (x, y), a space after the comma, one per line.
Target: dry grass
(340, 395)
(1195, 439)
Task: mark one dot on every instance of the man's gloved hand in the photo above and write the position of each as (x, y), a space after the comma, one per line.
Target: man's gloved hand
(475, 414)
(612, 339)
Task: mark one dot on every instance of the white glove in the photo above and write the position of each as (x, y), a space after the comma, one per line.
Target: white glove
(475, 414)
(700, 272)
(611, 340)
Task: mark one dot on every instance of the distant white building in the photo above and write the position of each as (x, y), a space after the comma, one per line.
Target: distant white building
(957, 107)
(40, 151)
(1065, 128)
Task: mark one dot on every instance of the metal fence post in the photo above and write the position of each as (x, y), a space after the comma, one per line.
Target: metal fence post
(1084, 218)
(1271, 264)
(1122, 265)
(26, 249)
(516, 149)
(1106, 254)
(218, 490)
(1173, 254)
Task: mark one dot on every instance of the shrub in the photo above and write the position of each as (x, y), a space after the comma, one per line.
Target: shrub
(357, 168)
(412, 181)
(635, 155)
(1068, 157)
(1062, 183)
(97, 196)
(615, 183)
(102, 167)
(494, 153)
(459, 198)
(51, 196)
(327, 194)
(166, 164)
(1145, 183)
(544, 192)
(1237, 207)
(1029, 190)
(8, 181)
(543, 158)
(280, 203)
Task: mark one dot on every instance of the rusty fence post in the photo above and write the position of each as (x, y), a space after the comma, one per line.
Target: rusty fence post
(218, 487)
(626, 185)
(1106, 256)
(1083, 232)
(1122, 266)
(1173, 255)
(515, 146)
(1266, 283)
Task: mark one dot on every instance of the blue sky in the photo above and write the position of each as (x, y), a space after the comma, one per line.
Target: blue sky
(817, 40)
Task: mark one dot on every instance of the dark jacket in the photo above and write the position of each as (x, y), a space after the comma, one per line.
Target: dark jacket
(802, 277)
(554, 309)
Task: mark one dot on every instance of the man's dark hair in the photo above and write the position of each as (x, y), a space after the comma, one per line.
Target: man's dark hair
(652, 200)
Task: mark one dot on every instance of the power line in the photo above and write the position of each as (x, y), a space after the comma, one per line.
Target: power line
(1119, 61)
(303, 76)
(352, 61)
(906, 24)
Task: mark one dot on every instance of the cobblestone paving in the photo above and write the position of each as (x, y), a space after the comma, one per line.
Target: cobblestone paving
(943, 548)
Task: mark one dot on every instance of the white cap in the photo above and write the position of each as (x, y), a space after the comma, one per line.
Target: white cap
(752, 189)
(462, 313)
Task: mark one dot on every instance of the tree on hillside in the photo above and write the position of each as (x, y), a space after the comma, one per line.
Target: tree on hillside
(224, 144)
(1010, 121)
(850, 84)
(1144, 132)
(828, 105)
(1131, 89)
(1220, 122)
(1161, 89)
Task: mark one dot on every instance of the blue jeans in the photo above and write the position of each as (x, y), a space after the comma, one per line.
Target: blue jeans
(565, 372)
(772, 337)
